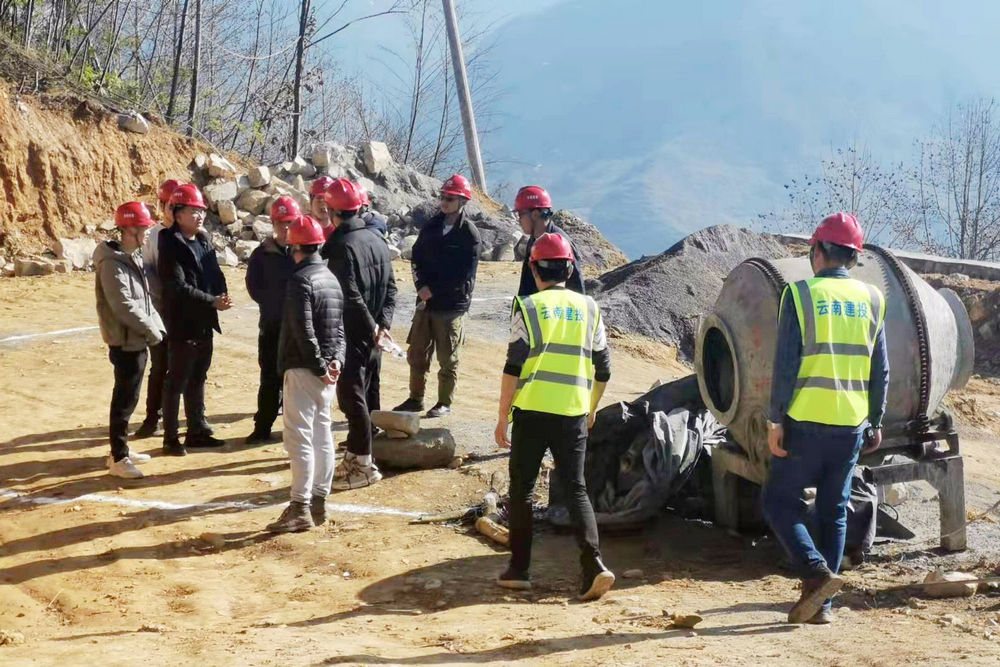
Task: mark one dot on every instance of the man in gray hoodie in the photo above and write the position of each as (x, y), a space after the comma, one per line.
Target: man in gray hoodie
(129, 324)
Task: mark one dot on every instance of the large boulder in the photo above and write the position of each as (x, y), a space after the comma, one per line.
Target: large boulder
(78, 252)
(377, 157)
(28, 266)
(220, 191)
(220, 167)
(245, 248)
(227, 212)
(259, 177)
(253, 201)
(262, 228)
(406, 246)
(406, 422)
(133, 122)
(302, 168)
(430, 448)
(228, 258)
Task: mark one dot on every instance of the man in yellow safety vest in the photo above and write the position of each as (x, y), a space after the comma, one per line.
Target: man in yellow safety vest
(828, 390)
(558, 364)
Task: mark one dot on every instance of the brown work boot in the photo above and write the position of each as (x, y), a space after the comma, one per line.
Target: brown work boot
(295, 519)
(317, 509)
(815, 592)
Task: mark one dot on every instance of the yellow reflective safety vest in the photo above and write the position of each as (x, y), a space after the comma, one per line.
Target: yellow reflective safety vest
(559, 374)
(839, 319)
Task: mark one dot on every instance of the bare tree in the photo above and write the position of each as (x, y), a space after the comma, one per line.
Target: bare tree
(854, 181)
(958, 181)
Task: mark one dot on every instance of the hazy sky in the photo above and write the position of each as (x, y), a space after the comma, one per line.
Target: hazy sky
(657, 118)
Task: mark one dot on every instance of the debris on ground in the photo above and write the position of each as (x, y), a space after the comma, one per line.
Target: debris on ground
(960, 588)
(11, 637)
(682, 620)
(664, 296)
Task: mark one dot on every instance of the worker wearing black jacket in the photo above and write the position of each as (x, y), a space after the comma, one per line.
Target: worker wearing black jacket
(194, 290)
(310, 355)
(444, 264)
(363, 265)
(533, 207)
(268, 271)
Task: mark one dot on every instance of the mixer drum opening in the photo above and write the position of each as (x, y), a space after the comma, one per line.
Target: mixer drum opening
(719, 369)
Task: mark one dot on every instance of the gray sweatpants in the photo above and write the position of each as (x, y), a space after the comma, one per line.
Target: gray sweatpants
(307, 435)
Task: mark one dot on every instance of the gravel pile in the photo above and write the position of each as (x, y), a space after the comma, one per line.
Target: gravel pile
(664, 296)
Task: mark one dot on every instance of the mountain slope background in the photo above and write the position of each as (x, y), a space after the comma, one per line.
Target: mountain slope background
(656, 119)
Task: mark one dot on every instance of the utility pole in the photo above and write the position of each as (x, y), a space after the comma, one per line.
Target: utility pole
(193, 107)
(464, 97)
(300, 56)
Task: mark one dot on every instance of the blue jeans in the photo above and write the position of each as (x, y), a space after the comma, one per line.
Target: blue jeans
(822, 457)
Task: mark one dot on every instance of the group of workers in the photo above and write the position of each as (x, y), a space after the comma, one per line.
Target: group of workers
(326, 293)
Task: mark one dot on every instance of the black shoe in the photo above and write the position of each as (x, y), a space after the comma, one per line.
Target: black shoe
(410, 405)
(173, 448)
(597, 580)
(439, 410)
(518, 581)
(317, 508)
(146, 429)
(203, 441)
(202, 429)
(259, 438)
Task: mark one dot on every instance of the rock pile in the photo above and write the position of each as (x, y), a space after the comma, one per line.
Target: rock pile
(240, 202)
(664, 296)
(595, 250)
(982, 300)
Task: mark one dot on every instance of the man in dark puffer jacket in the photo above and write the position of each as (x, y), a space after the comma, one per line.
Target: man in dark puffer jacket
(268, 271)
(445, 261)
(362, 263)
(310, 355)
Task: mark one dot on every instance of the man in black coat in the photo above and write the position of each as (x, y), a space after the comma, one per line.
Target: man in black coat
(444, 264)
(533, 207)
(194, 291)
(363, 265)
(310, 356)
(268, 271)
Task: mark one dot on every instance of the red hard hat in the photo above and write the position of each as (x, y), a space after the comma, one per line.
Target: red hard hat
(342, 195)
(187, 194)
(166, 189)
(530, 197)
(841, 229)
(285, 209)
(133, 214)
(551, 246)
(319, 186)
(306, 230)
(365, 199)
(457, 186)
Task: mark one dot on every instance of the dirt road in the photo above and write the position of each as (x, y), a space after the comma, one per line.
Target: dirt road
(173, 569)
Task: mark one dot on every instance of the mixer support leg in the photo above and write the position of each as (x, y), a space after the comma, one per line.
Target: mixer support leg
(948, 480)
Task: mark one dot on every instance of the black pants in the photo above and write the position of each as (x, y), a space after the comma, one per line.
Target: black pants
(566, 437)
(360, 372)
(188, 362)
(269, 393)
(157, 378)
(129, 369)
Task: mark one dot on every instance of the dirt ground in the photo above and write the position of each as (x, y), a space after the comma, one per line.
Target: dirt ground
(174, 569)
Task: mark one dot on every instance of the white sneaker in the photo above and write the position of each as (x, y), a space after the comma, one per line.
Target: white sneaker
(349, 474)
(125, 469)
(135, 456)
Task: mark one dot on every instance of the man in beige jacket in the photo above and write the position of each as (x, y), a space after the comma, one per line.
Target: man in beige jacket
(129, 325)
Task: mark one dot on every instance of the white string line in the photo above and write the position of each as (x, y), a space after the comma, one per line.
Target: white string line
(166, 505)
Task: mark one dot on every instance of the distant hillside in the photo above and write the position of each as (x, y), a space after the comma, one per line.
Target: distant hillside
(654, 119)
